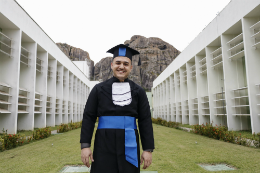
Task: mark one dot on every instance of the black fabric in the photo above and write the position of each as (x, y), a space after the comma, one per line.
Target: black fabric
(109, 152)
(109, 143)
(129, 51)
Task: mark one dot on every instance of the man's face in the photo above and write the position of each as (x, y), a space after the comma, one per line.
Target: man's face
(121, 67)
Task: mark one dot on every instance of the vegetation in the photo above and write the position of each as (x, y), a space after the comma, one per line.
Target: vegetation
(175, 151)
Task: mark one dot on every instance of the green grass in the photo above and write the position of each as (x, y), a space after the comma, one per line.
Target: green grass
(176, 151)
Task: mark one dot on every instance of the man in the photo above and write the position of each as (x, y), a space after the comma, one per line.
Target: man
(118, 102)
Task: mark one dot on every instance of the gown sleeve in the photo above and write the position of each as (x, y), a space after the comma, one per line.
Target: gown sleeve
(89, 117)
(145, 121)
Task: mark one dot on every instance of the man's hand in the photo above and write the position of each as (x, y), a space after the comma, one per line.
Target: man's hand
(85, 154)
(146, 158)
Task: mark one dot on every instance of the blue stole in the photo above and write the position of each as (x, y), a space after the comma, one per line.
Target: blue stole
(127, 123)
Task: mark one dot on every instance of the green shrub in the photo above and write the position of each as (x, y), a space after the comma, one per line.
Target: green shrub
(2, 142)
(165, 123)
(41, 133)
(63, 128)
(216, 132)
(9, 141)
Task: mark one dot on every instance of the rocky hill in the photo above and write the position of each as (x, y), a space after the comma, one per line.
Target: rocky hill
(77, 54)
(155, 56)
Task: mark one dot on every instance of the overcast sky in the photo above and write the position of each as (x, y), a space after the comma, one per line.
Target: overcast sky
(97, 25)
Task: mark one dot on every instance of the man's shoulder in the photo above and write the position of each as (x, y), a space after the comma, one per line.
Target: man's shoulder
(135, 85)
(103, 83)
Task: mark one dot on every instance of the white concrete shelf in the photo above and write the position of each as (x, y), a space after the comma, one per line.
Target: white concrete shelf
(4, 111)
(39, 65)
(218, 65)
(24, 58)
(22, 104)
(241, 114)
(37, 106)
(4, 93)
(241, 97)
(256, 35)
(22, 112)
(257, 45)
(6, 45)
(216, 52)
(220, 114)
(233, 42)
(5, 102)
(238, 106)
(256, 25)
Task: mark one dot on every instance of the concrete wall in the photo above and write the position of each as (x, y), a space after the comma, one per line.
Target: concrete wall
(39, 85)
(83, 66)
(214, 80)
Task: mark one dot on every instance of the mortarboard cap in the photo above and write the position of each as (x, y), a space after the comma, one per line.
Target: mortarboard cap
(123, 50)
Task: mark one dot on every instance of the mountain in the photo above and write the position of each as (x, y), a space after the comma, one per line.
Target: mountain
(77, 54)
(155, 56)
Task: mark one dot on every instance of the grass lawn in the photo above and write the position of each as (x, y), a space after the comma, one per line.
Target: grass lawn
(176, 151)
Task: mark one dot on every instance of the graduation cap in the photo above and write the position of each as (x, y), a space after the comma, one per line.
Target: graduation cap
(123, 50)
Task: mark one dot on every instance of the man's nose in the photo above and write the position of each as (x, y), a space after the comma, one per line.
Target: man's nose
(121, 65)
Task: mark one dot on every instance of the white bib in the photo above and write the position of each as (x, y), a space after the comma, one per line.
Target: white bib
(121, 93)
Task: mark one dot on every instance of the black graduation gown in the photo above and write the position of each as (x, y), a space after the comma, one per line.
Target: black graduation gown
(109, 147)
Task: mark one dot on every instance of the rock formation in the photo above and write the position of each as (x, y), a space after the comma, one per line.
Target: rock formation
(155, 56)
(77, 54)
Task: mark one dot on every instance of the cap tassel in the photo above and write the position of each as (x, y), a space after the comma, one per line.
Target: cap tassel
(139, 62)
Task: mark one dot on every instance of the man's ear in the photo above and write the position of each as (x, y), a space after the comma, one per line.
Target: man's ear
(111, 65)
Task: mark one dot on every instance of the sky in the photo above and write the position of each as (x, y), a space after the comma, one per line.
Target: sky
(98, 25)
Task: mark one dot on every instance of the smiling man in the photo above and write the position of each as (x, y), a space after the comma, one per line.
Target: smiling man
(118, 102)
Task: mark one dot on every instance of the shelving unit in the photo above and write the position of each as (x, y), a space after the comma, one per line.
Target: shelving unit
(49, 73)
(64, 80)
(180, 108)
(205, 105)
(170, 110)
(5, 98)
(69, 108)
(241, 102)
(63, 106)
(185, 76)
(48, 105)
(256, 34)
(236, 47)
(178, 80)
(195, 106)
(193, 71)
(58, 77)
(74, 108)
(220, 104)
(24, 58)
(23, 101)
(57, 106)
(164, 112)
(203, 66)
(174, 109)
(37, 103)
(39, 65)
(217, 61)
(70, 84)
(6, 45)
(186, 108)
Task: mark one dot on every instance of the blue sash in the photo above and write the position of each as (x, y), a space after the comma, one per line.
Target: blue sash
(127, 123)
